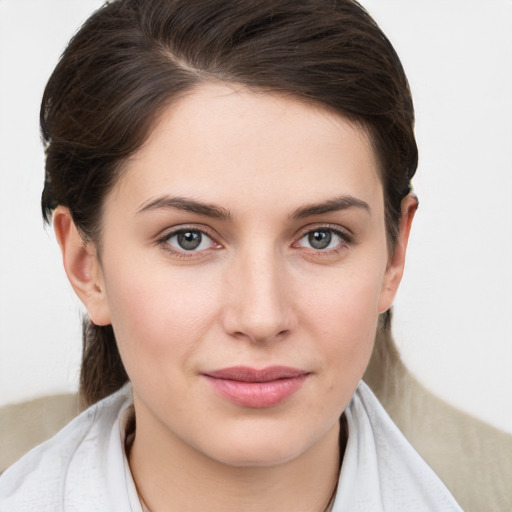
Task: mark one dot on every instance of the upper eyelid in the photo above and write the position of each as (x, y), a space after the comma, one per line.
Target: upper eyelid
(163, 241)
(168, 232)
(344, 232)
(346, 236)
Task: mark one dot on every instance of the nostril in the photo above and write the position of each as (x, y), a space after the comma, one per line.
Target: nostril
(259, 337)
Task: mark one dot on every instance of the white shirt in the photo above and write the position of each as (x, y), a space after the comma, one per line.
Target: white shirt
(84, 467)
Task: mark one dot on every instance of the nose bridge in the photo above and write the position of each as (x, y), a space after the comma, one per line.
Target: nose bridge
(259, 306)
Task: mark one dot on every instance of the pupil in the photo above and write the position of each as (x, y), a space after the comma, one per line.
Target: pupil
(189, 240)
(320, 239)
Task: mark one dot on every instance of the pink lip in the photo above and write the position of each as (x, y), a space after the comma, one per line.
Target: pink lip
(254, 388)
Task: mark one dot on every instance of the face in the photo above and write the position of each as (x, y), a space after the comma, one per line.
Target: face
(243, 268)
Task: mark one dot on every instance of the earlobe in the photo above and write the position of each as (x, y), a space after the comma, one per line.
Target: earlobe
(396, 263)
(82, 266)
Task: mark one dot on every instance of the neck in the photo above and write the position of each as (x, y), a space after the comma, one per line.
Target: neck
(172, 476)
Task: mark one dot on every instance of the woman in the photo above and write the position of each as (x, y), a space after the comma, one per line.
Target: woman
(229, 184)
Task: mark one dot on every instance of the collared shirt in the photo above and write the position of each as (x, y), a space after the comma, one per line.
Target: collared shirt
(84, 467)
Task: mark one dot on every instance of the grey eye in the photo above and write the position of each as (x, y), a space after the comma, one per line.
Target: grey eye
(189, 240)
(320, 239)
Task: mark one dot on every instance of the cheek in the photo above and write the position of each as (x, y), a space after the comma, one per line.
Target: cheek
(346, 301)
(342, 314)
(156, 312)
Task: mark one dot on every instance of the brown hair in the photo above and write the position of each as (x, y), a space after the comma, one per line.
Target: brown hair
(133, 57)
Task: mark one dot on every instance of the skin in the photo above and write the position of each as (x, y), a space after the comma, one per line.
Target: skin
(255, 293)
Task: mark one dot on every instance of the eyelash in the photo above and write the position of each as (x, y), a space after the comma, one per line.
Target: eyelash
(345, 239)
(164, 241)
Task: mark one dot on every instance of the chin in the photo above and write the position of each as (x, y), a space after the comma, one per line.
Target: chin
(261, 457)
(263, 447)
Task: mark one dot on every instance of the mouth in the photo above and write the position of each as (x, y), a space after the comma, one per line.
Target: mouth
(256, 388)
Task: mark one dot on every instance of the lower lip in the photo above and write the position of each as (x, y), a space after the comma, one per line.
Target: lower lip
(257, 395)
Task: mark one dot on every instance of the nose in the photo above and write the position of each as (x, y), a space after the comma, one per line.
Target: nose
(259, 306)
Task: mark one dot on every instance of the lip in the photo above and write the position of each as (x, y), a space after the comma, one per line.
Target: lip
(256, 388)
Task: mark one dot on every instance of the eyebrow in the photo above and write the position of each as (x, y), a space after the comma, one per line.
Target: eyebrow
(217, 212)
(187, 205)
(332, 205)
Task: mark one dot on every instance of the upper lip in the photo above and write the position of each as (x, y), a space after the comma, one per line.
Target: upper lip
(247, 374)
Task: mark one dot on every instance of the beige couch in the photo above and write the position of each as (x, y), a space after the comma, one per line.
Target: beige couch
(472, 458)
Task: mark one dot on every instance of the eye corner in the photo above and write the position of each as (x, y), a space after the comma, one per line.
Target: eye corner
(328, 239)
(188, 242)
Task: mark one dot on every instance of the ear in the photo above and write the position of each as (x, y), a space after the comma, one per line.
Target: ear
(396, 263)
(82, 266)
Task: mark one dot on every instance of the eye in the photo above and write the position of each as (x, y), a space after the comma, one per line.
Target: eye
(189, 240)
(322, 239)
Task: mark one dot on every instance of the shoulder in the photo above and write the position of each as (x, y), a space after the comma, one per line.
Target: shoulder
(381, 470)
(62, 468)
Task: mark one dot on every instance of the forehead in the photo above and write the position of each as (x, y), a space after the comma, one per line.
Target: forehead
(233, 144)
